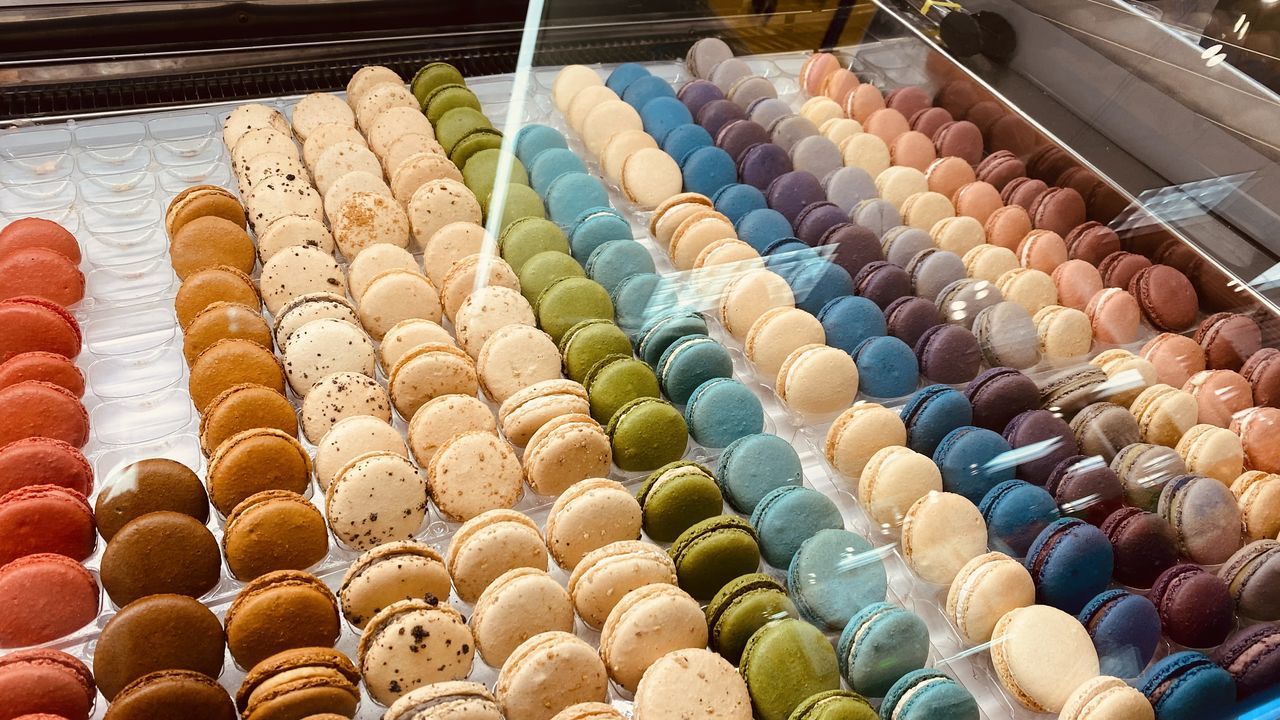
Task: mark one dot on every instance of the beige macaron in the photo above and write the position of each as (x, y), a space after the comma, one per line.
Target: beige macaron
(294, 231)
(646, 624)
(380, 97)
(298, 271)
(312, 306)
(1041, 655)
(940, 533)
(710, 686)
(549, 672)
(342, 158)
(777, 333)
(489, 545)
(564, 451)
(528, 409)
(474, 472)
(418, 170)
(394, 123)
(443, 417)
(318, 109)
(389, 573)
(859, 433)
(356, 181)
(604, 575)
(518, 604)
(587, 516)
(986, 588)
(649, 176)
(372, 262)
(698, 232)
(406, 335)
(428, 371)
(368, 77)
(251, 117)
(367, 218)
(394, 296)
(339, 396)
(323, 347)
(749, 296)
(817, 380)
(276, 196)
(437, 203)
(376, 498)
(488, 310)
(571, 80)
(515, 357)
(449, 244)
(465, 276)
(324, 136)
(1063, 332)
(412, 644)
(351, 437)
(405, 147)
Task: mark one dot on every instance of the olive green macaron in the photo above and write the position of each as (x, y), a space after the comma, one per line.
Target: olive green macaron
(835, 705)
(646, 434)
(712, 552)
(589, 342)
(444, 98)
(784, 664)
(541, 270)
(675, 497)
(745, 604)
(478, 141)
(434, 75)
(570, 300)
(615, 381)
(521, 202)
(528, 236)
(480, 170)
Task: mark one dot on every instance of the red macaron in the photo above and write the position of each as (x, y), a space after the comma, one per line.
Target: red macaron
(45, 683)
(41, 272)
(46, 366)
(45, 519)
(33, 323)
(44, 597)
(39, 233)
(34, 408)
(44, 461)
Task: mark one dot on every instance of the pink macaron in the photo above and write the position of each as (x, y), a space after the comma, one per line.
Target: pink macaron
(45, 519)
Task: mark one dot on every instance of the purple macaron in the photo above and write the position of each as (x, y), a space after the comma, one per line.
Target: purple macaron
(1047, 440)
(816, 219)
(1145, 545)
(1000, 394)
(738, 136)
(792, 192)
(718, 113)
(697, 94)
(948, 354)
(852, 246)
(1195, 606)
(882, 283)
(761, 164)
(907, 318)
(1252, 656)
(1086, 487)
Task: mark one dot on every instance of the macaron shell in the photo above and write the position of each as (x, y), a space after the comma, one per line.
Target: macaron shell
(44, 597)
(36, 232)
(41, 273)
(45, 682)
(44, 461)
(517, 605)
(675, 622)
(471, 473)
(530, 685)
(363, 519)
(1043, 655)
(34, 408)
(985, 590)
(604, 575)
(394, 659)
(710, 687)
(390, 573)
(45, 519)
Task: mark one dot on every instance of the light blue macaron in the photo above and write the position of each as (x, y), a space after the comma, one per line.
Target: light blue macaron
(735, 200)
(533, 139)
(663, 114)
(640, 298)
(550, 164)
(721, 410)
(623, 75)
(849, 320)
(661, 332)
(754, 466)
(646, 88)
(595, 227)
(689, 362)
(707, 170)
(788, 516)
(762, 228)
(682, 141)
(973, 460)
(886, 366)
(572, 194)
(617, 260)
(879, 646)
(834, 575)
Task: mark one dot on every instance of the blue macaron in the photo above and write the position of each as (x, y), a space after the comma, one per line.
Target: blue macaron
(886, 365)
(1125, 629)
(818, 282)
(1070, 562)
(659, 333)
(880, 645)
(643, 89)
(707, 170)
(788, 516)
(835, 575)
(754, 466)
(973, 460)
(787, 255)
(663, 114)
(689, 362)
(616, 260)
(849, 320)
(533, 139)
(736, 199)
(762, 228)
(931, 413)
(1188, 685)
(1016, 512)
(680, 142)
(639, 298)
(572, 194)
(623, 75)
(928, 694)
(595, 227)
(721, 410)
(550, 164)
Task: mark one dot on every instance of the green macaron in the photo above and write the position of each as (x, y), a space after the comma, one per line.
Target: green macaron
(476, 142)
(480, 171)
(784, 664)
(589, 342)
(431, 76)
(570, 300)
(541, 270)
(615, 381)
(744, 605)
(521, 202)
(528, 236)
(835, 705)
(444, 98)
(646, 434)
(675, 497)
(457, 124)
(713, 552)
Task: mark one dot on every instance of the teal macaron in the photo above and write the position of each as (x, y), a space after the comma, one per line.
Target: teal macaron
(712, 552)
(596, 227)
(588, 342)
(642, 297)
(533, 139)
(835, 575)
(646, 434)
(928, 694)
(675, 497)
(835, 705)
(568, 301)
(528, 236)
(616, 260)
(662, 331)
(688, 363)
(751, 467)
(785, 663)
(880, 645)
(615, 381)
(721, 410)
(745, 604)
(788, 516)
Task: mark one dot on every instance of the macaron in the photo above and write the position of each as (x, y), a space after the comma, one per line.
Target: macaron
(245, 463)
(646, 434)
(339, 396)
(722, 410)
(879, 646)
(740, 608)
(517, 605)
(673, 619)
(1041, 655)
(1085, 487)
(1107, 697)
(1187, 684)
(893, 479)
(859, 433)
(1016, 512)
(775, 695)
(1125, 629)
(413, 643)
(526, 411)
(1204, 514)
(1071, 562)
(429, 371)
(1166, 296)
(788, 516)
(1261, 372)
(300, 680)
(194, 202)
(712, 552)
(855, 577)
(1254, 426)
(928, 693)
(835, 703)
(231, 362)
(1250, 658)
(185, 635)
(753, 466)
(242, 408)
(132, 567)
(273, 530)
(526, 688)
(675, 497)
(817, 380)
(1248, 573)
(983, 591)
(45, 519)
(47, 681)
(589, 515)
(928, 521)
(1195, 606)
(362, 519)
(606, 574)
(1255, 492)
(1069, 391)
(972, 460)
(437, 700)
(388, 573)
(931, 413)
(711, 686)
(1007, 336)
(167, 690)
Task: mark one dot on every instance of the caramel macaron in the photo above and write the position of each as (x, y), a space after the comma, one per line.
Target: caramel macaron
(231, 362)
(245, 407)
(281, 611)
(202, 201)
(223, 321)
(253, 461)
(273, 530)
(204, 287)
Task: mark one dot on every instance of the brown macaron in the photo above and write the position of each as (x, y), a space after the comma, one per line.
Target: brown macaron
(200, 201)
(280, 611)
(159, 632)
(210, 241)
(274, 530)
(160, 552)
(231, 362)
(147, 486)
(255, 460)
(221, 321)
(172, 693)
(245, 407)
(300, 683)
(204, 287)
